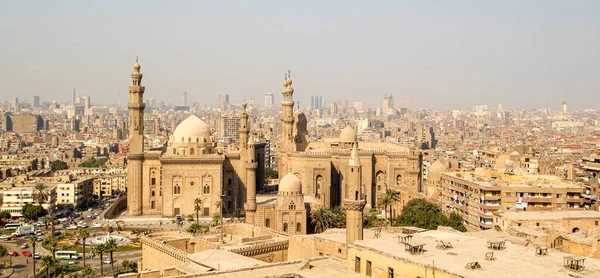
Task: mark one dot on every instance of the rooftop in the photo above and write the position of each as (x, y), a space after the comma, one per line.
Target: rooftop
(522, 260)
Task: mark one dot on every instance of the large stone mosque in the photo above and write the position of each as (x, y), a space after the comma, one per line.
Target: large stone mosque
(312, 174)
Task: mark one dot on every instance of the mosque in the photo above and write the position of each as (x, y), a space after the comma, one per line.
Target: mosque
(167, 182)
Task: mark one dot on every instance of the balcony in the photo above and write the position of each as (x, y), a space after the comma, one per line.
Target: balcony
(492, 197)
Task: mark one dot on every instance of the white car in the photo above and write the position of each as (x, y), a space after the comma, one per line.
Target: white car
(97, 225)
(107, 261)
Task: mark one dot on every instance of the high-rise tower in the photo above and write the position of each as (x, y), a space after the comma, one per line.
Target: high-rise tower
(287, 110)
(73, 100)
(565, 109)
(354, 201)
(135, 157)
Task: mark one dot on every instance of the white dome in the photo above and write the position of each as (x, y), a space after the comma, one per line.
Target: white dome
(348, 135)
(290, 183)
(191, 128)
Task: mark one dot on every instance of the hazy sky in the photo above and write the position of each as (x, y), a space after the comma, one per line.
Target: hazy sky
(445, 54)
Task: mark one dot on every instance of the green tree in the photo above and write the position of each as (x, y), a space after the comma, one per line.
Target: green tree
(239, 213)
(456, 222)
(423, 214)
(33, 241)
(46, 263)
(338, 216)
(94, 163)
(53, 244)
(88, 272)
(40, 193)
(83, 234)
(111, 246)
(5, 215)
(322, 219)
(271, 173)
(99, 250)
(198, 205)
(388, 199)
(195, 229)
(125, 265)
(3, 251)
(58, 165)
(33, 212)
(216, 219)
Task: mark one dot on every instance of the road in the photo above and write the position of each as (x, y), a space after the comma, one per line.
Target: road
(23, 266)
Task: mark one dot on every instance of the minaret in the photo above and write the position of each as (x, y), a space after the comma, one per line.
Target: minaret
(136, 142)
(73, 99)
(251, 166)
(354, 201)
(244, 130)
(287, 110)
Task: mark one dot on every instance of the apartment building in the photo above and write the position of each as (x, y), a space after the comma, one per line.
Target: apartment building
(477, 195)
(77, 193)
(14, 198)
(107, 185)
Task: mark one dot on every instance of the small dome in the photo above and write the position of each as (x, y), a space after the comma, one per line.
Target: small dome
(192, 127)
(290, 183)
(348, 135)
(437, 167)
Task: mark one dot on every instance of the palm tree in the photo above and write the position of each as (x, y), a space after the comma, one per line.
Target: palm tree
(322, 219)
(47, 261)
(40, 193)
(388, 199)
(99, 250)
(3, 251)
(197, 207)
(83, 234)
(33, 241)
(111, 246)
(88, 272)
(125, 265)
(53, 246)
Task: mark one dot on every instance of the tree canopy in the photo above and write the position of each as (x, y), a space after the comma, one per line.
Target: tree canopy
(33, 212)
(5, 215)
(271, 174)
(93, 162)
(423, 214)
(58, 165)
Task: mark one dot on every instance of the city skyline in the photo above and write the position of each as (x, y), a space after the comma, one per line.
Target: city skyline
(443, 55)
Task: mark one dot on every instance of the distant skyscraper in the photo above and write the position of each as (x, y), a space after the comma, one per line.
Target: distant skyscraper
(251, 103)
(224, 102)
(358, 105)
(316, 102)
(36, 101)
(86, 105)
(14, 104)
(184, 95)
(388, 104)
(269, 100)
(565, 109)
(73, 99)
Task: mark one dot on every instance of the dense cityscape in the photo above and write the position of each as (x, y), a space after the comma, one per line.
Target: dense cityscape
(261, 185)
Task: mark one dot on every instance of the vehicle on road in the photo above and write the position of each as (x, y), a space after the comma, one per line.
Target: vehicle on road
(26, 253)
(107, 261)
(25, 246)
(56, 233)
(40, 239)
(38, 233)
(97, 225)
(89, 216)
(36, 255)
(14, 253)
(67, 255)
(24, 230)
(12, 226)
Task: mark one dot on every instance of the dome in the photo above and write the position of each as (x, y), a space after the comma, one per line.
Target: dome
(437, 167)
(348, 135)
(192, 127)
(290, 183)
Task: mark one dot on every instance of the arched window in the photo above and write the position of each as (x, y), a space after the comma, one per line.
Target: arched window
(268, 223)
(192, 151)
(298, 227)
(292, 205)
(177, 189)
(153, 176)
(380, 180)
(318, 186)
(206, 185)
(152, 206)
(399, 179)
(285, 227)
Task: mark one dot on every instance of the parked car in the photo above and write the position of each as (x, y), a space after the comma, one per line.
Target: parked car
(40, 239)
(14, 253)
(107, 261)
(25, 246)
(97, 225)
(36, 255)
(26, 253)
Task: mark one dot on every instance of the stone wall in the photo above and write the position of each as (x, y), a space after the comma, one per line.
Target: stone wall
(117, 208)
(157, 254)
(303, 247)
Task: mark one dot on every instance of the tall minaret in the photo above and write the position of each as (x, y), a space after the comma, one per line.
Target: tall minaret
(287, 110)
(73, 99)
(251, 165)
(244, 130)
(135, 157)
(354, 201)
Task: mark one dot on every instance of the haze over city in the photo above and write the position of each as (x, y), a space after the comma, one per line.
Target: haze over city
(443, 54)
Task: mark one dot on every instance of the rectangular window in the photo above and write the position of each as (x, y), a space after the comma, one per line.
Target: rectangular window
(153, 182)
(368, 269)
(390, 272)
(357, 264)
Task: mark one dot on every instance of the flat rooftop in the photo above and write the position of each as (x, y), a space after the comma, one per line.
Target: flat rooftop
(514, 261)
(550, 215)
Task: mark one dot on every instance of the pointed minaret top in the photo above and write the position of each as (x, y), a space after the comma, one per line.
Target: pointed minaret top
(354, 158)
